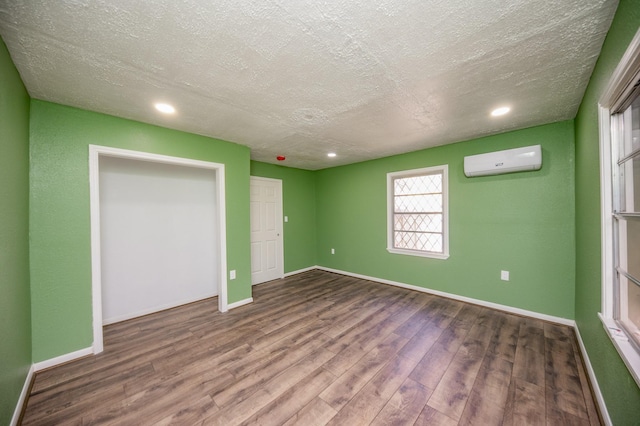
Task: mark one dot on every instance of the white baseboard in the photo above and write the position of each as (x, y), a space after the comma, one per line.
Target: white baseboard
(23, 397)
(594, 381)
(299, 271)
(505, 308)
(39, 366)
(240, 303)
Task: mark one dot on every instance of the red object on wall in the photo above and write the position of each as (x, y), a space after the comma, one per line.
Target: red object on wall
(280, 158)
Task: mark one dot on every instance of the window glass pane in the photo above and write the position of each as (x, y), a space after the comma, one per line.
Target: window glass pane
(618, 199)
(431, 242)
(635, 124)
(418, 203)
(636, 186)
(418, 222)
(630, 258)
(630, 309)
(629, 171)
(634, 304)
(418, 241)
(418, 185)
(630, 129)
(629, 178)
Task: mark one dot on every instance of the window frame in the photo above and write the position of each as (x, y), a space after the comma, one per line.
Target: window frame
(620, 87)
(442, 170)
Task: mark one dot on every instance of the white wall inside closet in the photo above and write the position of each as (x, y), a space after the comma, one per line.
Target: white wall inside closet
(158, 236)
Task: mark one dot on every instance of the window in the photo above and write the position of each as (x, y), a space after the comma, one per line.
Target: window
(620, 163)
(626, 215)
(418, 213)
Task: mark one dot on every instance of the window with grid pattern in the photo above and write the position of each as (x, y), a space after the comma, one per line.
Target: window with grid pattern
(417, 203)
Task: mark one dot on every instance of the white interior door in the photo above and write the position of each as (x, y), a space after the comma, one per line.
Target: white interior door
(267, 257)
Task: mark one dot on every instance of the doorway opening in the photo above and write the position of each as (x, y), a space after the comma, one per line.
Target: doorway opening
(137, 181)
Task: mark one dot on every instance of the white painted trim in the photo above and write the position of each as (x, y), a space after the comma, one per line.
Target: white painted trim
(618, 87)
(95, 151)
(240, 303)
(222, 236)
(266, 179)
(505, 308)
(96, 255)
(23, 397)
(62, 359)
(606, 206)
(594, 381)
(299, 271)
(157, 309)
(626, 350)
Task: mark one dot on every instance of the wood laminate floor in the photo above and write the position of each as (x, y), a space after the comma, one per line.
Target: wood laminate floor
(320, 348)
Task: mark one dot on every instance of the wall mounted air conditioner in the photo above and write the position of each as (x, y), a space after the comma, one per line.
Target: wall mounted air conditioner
(507, 161)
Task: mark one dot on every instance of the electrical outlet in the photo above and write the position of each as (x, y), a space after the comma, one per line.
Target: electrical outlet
(504, 275)
(333, 251)
(232, 274)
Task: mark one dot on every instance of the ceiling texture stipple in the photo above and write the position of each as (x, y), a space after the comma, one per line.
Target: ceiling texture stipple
(365, 79)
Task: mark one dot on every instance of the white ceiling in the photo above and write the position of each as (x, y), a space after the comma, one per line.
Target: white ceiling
(300, 78)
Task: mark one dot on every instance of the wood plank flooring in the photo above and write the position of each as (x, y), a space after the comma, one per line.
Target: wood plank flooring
(323, 349)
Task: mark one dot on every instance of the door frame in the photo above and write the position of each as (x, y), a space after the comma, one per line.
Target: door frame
(279, 220)
(95, 152)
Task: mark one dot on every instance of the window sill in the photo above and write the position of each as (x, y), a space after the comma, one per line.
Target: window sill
(627, 351)
(441, 256)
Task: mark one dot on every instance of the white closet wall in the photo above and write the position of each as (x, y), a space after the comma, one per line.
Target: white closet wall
(158, 236)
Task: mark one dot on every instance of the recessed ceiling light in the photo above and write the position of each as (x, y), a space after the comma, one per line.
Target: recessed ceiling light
(331, 154)
(165, 108)
(500, 111)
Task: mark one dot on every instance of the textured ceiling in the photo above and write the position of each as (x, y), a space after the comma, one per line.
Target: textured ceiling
(363, 78)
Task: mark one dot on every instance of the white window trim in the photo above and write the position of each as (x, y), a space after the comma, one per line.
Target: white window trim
(606, 205)
(444, 169)
(624, 74)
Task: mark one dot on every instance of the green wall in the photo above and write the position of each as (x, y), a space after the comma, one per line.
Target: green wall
(299, 205)
(59, 213)
(544, 227)
(621, 393)
(522, 222)
(15, 305)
